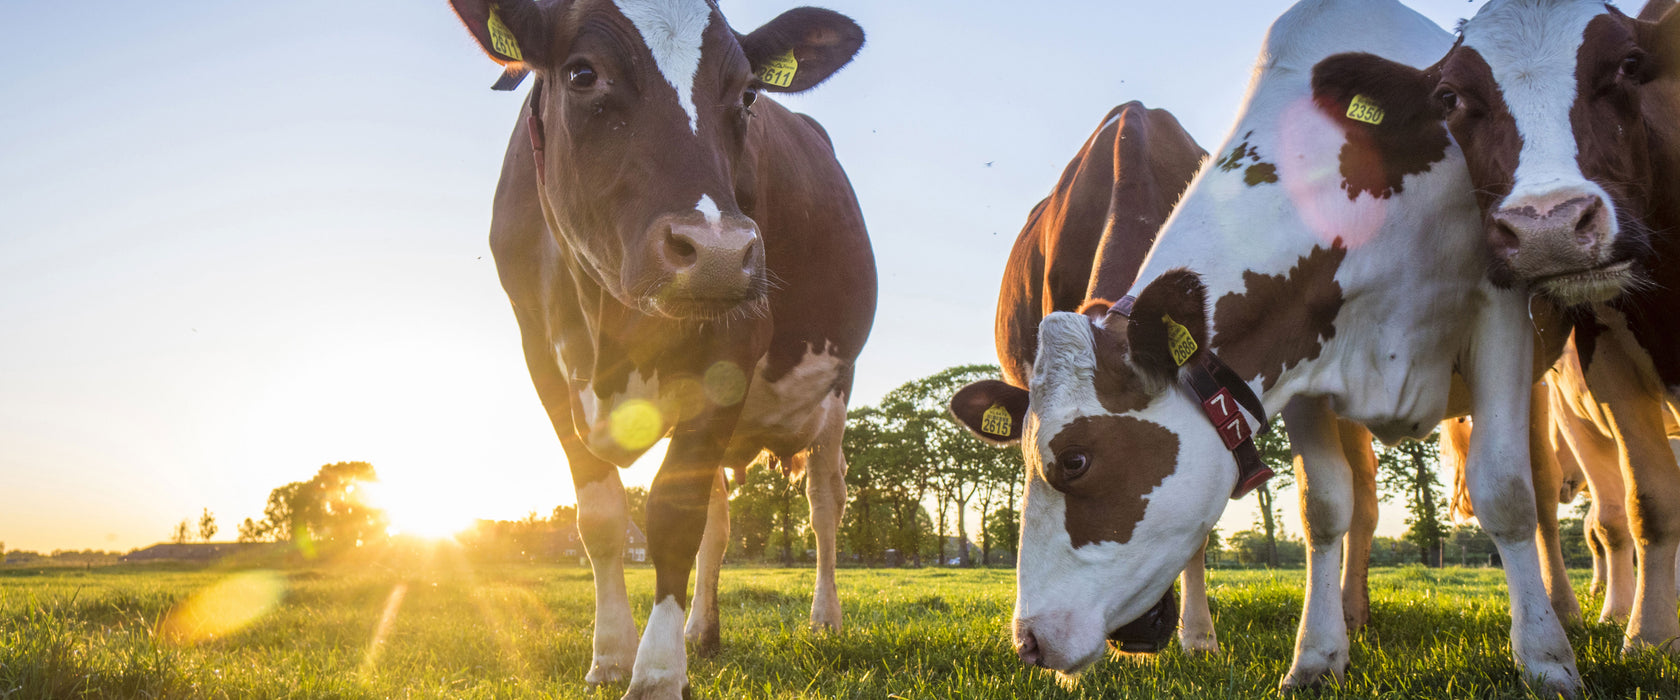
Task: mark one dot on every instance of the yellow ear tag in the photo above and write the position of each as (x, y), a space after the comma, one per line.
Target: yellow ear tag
(501, 38)
(779, 71)
(997, 421)
(1363, 109)
(1179, 341)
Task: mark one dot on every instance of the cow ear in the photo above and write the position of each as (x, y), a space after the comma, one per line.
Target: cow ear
(1661, 39)
(1168, 325)
(1361, 88)
(801, 48)
(994, 411)
(513, 32)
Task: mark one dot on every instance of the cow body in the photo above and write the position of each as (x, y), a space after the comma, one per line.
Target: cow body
(1346, 278)
(684, 259)
(1566, 110)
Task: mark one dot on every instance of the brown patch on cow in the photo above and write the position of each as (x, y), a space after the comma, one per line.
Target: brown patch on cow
(1280, 320)
(1118, 387)
(1129, 459)
(1377, 157)
(1257, 173)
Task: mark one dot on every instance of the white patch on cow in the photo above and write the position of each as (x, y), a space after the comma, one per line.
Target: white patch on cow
(709, 209)
(661, 661)
(1531, 47)
(674, 30)
(603, 502)
(788, 414)
(614, 428)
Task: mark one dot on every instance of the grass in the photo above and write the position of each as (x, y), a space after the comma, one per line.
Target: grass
(524, 632)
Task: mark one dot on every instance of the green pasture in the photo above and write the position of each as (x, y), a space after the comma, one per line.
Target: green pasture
(459, 632)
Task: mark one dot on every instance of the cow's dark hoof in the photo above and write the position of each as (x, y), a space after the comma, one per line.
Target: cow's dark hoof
(1151, 632)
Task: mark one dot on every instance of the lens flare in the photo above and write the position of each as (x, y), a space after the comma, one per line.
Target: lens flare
(224, 608)
(637, 424)
(726, 385)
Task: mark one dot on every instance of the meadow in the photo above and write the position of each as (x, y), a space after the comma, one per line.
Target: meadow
(523, 631)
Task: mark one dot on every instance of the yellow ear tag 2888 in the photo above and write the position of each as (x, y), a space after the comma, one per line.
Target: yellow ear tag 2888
(997, 421)
(1179, 341)
(779, 71)
(501, 38)
(1363, 109)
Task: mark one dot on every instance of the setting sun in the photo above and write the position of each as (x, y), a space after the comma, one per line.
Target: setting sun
(421, 509)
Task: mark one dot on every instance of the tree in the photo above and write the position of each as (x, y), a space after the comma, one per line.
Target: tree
(1408, 469)
(183, 532)
(1276, 453)
(329, 509)
(250, 531)
(762, 514)
(206, 526)
(635, 501)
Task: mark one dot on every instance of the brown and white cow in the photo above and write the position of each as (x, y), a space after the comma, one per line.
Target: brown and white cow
(685, 258)
(1569, 115)
(1346, 278)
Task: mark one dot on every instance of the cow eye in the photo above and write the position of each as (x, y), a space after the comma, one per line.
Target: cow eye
(1073, 463)
(1632, 64)
(1447, 98)
(748, 98)
(581, 76)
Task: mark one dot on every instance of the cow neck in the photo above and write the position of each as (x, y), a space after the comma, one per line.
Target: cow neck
(1650, 312)
(1220, 392)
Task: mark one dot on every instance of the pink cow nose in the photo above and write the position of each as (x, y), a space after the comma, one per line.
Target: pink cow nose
(711, 260)
(1027, 648)
(1568, 220)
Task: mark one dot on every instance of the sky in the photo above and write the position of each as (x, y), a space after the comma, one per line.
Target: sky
(242, 240)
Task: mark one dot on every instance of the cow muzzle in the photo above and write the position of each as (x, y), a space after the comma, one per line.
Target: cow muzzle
(1560, 242)
(707, 268)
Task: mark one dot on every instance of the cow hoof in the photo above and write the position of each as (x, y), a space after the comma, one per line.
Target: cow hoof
(1305, 676)
(1200, 644)
(705, 644)
(657, 691)
(606, 674)
(825, 613)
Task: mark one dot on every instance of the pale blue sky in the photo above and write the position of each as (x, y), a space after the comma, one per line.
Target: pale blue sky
(240, 240)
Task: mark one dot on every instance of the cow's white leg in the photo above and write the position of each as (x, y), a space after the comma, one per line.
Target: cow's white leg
(661, 662)
(702, 630)
(1501, 488)
(1195, 631)
(1326, 485)
(603, 520)
(1356, 547)
(825, 487)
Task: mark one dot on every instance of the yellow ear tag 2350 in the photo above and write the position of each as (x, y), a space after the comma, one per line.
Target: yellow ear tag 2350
(1362, 109)
(779, 71)
(1179, 341)
(501, 38)
(997, 421)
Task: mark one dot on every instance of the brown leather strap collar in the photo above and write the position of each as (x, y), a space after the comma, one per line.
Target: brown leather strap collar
(1221, 391)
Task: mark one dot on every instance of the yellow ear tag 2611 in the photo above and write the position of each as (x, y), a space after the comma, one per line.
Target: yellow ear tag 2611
(501, 38)
(1363, 109)
(1179, 341)
(997, 421)
(779, 71)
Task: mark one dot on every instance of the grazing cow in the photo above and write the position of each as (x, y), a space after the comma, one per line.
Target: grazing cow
(1346, 277)
(1568, 112)
(685, 258)
(1084, 244)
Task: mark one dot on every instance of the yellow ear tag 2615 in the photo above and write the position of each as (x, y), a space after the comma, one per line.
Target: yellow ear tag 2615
(997, 421)
(1362, 109)
(501, 38)
(779, 71)
(1179, 341)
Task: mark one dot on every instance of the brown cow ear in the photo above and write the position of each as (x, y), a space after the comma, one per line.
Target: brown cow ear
(801, 48)
(1361, 88)
(1661, 39)
(994, 411)
(1168, 325)
(513, 32)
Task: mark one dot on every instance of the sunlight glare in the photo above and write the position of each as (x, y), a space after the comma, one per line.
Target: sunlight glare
(429, 509)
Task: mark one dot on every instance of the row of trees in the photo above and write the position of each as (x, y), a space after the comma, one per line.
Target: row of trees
(207, 529)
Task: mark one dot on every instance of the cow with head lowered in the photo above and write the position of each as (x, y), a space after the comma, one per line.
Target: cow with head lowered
(685, 259)
(1318, 268)
(1568, 112)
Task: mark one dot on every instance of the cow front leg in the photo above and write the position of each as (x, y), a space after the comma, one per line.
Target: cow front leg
(825, 487)
(1326, 485)
(702, 631)
(1356, 557)
(677, 508)
(1547, 475)
(1501, 488)
(1195, 630)
(603, 520)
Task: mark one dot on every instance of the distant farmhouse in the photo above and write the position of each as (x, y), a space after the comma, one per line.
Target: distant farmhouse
(199, 551)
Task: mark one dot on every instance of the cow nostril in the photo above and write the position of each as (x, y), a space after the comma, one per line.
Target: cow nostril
(1586, 227)
(1505, 238)
(680, 248)
(1028, 649)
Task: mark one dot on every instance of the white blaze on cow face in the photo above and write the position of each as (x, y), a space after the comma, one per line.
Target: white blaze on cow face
(1071, 593)
(674, 31)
